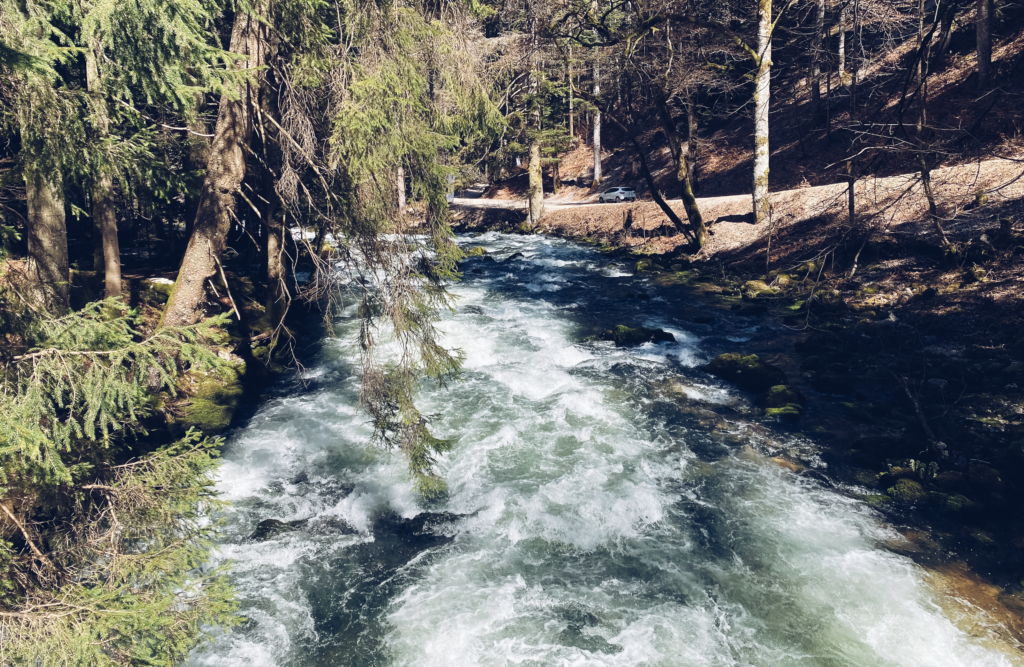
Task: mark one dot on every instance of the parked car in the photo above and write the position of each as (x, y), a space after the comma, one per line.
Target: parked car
(617, 195)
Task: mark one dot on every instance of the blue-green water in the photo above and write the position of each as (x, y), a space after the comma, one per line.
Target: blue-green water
(596, 514)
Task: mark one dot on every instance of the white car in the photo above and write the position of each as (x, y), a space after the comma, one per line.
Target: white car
(617, 195)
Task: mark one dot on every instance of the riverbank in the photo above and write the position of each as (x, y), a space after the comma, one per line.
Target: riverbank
(907, 364)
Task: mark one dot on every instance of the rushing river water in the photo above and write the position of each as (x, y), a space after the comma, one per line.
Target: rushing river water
(591, 518)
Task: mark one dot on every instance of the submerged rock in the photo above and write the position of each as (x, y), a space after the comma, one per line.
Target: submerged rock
(749, 372)
(273, 527)
(624, 336)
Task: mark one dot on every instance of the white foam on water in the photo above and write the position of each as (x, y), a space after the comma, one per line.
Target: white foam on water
(593, 536)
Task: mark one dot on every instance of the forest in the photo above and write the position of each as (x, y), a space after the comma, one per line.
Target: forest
(194, 193)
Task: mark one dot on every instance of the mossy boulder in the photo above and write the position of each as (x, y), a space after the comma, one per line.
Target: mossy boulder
(214, 403)
(876, 500)
(984, 478)
(782, 395)
(789, 413)
(749, 372)
(647, 265)
(908, 491)
(953, 503)
(624, 336)
(478, 251)
(754, 289)
(950, 481)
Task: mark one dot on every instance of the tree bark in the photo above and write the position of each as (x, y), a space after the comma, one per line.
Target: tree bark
(651, 185)
(103, 212)
(568, 78)
(48, 272)
(597, 130)
(983, 36)
(224, 175)
(692, 143)
(679, 161)
(842, 47)
(762, 94)
(536, 191)
(819, 32)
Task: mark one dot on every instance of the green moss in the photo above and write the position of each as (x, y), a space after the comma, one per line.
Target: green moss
(749, 372)
(789, 412)
(213, 406)
(781, 396)
(876, 500)
(478, 251)
(907, 490)
(643, 265)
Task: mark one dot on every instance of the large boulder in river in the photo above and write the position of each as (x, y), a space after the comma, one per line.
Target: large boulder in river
(624, 336)
(269, 528)
(749, 372)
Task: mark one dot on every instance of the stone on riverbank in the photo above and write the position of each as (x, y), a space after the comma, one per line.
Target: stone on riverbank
(749, 372)
(908, 491)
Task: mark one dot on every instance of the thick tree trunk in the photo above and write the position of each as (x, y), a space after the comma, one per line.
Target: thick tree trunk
(762, 95)
(556, 178)
(816, 53)
(692, 143)
(597, 130)
(536, 191)
(277, 296)
(103, 212)
(679, 161)
(983, 36)
(48, 272)
(224, 175)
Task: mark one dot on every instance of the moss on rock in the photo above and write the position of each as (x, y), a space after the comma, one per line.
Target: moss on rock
(478, 251)
(749, 372)
(908, 491)
(214, 403)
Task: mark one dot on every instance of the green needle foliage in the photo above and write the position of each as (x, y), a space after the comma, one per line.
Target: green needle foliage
(102, 548)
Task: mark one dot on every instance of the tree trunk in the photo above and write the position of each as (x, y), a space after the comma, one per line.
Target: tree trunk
(224, 175)
(400, 185)
(842, 46)
(855, 49)
(536, 191)
(762, 94)
(568, 78)
(816, 53)
(692, 143)
(48, 272)
(556, 178)
(597, 131)
(277, 296)
(679, 161)
(983, 35)
(651, 185)
(103, 212)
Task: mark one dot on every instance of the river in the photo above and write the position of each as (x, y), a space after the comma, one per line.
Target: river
(594, 516)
